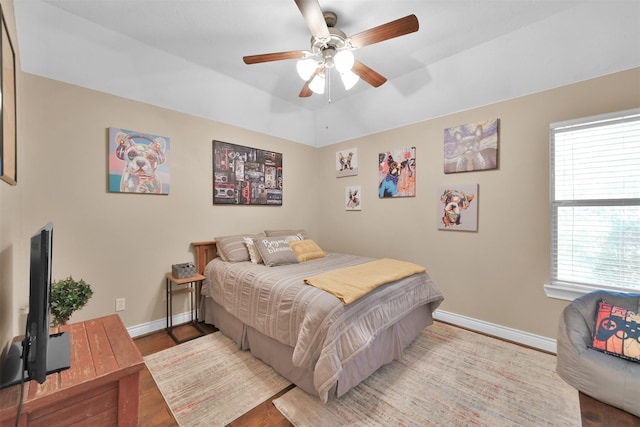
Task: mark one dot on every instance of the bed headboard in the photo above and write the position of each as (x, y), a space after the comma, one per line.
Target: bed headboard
(205, 252)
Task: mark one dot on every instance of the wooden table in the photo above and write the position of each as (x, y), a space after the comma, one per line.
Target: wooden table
(99, 389)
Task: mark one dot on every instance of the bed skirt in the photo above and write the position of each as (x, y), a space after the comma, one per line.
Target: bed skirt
(387, 346)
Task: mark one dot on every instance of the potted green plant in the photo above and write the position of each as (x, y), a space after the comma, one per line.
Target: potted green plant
(67, 296)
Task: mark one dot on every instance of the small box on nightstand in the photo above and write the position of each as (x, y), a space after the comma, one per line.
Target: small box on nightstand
(184, 270)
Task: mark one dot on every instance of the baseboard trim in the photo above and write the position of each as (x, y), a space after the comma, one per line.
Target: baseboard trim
(515, 335)
(157, 325)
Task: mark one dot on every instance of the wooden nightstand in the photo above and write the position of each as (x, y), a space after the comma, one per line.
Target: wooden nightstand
(187, 285)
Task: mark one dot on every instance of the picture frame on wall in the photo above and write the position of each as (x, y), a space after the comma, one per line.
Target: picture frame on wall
(347, 162)
(353, 198)
(246, 176)
(397, 173)
(471, 147)
(458, 207)
(8, 124)
(138, 162)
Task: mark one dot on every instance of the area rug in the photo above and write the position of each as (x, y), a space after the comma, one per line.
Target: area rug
(209, 382)
(449, 377)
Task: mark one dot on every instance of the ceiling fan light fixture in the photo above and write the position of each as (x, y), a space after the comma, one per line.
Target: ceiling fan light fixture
(306, 68)
(349, 79)
(344, 60)
(317, 84)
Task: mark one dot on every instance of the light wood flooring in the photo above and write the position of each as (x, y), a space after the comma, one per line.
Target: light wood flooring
(153, 411)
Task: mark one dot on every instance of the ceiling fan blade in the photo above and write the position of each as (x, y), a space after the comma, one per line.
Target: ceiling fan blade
(390, 30)
(278, 56)
(306, 90)
(368, 75)
(314, 18)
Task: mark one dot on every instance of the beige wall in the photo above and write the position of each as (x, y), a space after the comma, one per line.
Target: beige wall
(123, 243)
(496, 274)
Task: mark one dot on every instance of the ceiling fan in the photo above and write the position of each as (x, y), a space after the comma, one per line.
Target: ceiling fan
(331, 48)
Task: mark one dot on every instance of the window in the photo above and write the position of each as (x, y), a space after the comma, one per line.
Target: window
(595, 204)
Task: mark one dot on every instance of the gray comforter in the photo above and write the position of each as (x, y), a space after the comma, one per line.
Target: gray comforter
(324, 333)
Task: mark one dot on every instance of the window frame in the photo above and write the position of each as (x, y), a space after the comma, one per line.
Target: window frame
(569, 290)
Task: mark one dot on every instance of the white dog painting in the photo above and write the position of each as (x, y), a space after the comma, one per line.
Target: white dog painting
(138, 162)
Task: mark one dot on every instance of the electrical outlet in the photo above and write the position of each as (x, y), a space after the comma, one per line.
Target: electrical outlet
(120, 304)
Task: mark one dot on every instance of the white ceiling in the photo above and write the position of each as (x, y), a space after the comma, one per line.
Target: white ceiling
(186, 55)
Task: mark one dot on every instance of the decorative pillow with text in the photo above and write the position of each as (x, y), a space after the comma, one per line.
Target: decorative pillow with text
(276, 250)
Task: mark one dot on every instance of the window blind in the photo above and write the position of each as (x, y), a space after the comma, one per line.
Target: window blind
(595, 201)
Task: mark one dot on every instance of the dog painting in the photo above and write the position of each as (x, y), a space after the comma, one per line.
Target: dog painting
(353, 196)
(138, 162)
(457, 209)
(347, 162)
(397, 173)
(471, 147)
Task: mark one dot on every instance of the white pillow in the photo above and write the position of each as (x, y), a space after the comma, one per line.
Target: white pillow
(254, 253)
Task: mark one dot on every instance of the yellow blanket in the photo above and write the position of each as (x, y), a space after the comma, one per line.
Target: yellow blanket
(351, 283)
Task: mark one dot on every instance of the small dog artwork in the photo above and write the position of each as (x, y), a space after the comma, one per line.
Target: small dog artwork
(471, 147)
(458, 207)
(397, 173)
(347, 162)
(138, 162)
(352, 198)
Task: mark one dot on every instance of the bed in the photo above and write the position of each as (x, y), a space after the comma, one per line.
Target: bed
(306, 334)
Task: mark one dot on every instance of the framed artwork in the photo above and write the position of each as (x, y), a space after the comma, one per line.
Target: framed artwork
(246, 176)
(347, 162)
(471, 147)
(138, 162)
(353, 198)
(397, 173)
(458, 207)
(8, 141)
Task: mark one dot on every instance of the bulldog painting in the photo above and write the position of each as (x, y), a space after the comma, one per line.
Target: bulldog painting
(141, 160)
(454, 201)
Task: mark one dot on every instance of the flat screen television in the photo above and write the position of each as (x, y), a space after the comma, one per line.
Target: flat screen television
(39, 353)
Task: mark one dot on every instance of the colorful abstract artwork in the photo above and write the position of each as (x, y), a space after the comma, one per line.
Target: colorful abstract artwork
(246, 176)
(616, 331)
(138, 162)
(347, 162)
(353, 198)
(397, 173)
(458, 207)
(471, 147)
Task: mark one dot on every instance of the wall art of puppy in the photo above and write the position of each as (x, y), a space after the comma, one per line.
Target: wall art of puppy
(454, 203)
(353, 201)
(141, 162)
(345, 162)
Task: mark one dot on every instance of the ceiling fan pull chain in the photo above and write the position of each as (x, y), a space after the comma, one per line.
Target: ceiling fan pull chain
(328, 73)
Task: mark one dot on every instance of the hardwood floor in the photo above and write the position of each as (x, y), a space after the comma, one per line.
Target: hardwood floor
(596, 414)
(153, 411)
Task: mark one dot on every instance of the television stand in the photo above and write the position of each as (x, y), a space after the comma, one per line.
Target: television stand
(58, 359)
(100, 387)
